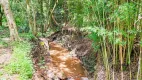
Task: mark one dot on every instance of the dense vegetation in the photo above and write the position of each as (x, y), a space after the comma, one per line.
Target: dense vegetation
(114, 26)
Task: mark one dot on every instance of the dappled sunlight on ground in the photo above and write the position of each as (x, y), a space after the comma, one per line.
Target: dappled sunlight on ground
(71, 66)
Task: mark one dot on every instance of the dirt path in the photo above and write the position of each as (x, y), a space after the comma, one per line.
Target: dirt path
(5, 57)
(61, 65)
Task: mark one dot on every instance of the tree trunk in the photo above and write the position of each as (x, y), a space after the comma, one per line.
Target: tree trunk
(1, 14)
(28, 15)
(12, 25)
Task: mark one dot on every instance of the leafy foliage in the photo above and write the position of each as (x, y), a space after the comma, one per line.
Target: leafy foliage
(96, 40)
(125, 12)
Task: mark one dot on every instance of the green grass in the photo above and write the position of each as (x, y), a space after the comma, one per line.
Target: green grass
(1, 73)
(21, 62)
(4, 32)
(3, 44)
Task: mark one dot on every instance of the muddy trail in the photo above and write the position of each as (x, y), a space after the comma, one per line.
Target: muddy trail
(57, 63)
(59, 57)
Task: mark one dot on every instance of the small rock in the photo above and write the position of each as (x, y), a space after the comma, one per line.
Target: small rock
(50, 74)
(56, 78)
(84, 78)
(70, 79)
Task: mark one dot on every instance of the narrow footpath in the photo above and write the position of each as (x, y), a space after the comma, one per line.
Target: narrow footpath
(5, 57)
